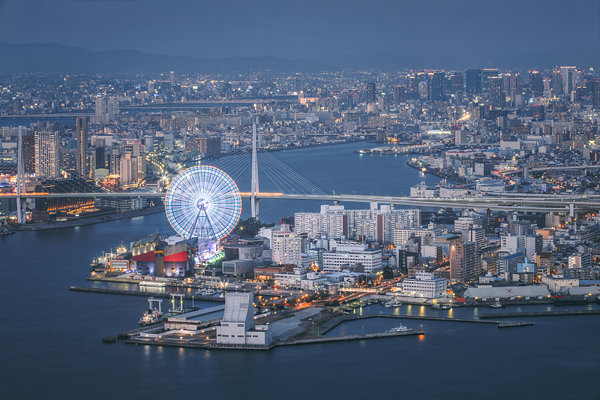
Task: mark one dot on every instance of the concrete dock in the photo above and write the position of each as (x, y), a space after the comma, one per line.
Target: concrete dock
(145, 294)
(329, 325)
(540, 313)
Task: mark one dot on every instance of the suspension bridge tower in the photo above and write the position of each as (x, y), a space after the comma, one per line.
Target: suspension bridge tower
(254, 185)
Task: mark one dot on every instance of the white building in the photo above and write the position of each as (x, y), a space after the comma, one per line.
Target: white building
(237, 325)
(353, 254)
(47, 154)
(286, 246)
(424, 284)
(557, 283)
(427, 235)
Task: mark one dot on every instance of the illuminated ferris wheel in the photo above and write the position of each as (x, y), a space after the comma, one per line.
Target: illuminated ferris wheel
(203, 202)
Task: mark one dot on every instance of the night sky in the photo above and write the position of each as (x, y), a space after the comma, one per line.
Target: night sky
(305, 28)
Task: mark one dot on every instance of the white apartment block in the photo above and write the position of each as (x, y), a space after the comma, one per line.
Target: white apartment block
(424, 284)
(286, 246)
(352, 254)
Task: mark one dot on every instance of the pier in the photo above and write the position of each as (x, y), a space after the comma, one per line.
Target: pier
(332, 323)
(145, 294)
(540, 313)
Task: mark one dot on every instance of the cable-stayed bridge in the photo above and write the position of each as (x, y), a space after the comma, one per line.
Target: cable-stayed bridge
(284, 183)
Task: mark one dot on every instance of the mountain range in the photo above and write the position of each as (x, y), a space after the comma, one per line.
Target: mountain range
(58, 58)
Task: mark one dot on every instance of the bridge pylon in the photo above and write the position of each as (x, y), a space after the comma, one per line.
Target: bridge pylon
(254, 184)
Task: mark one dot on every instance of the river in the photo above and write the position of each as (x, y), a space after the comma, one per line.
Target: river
(50, 338)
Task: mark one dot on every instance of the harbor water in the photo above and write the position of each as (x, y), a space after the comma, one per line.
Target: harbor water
(51, 348)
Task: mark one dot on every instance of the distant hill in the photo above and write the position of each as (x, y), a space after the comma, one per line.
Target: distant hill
(59, 58)
(56, 57)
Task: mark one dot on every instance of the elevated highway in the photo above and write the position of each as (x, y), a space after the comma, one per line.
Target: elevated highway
(523, 203)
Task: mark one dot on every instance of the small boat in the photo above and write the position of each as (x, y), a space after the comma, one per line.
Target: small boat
(389, 304)
(400, 328)
(152, 316)
(436, 306)
(445, 307)
(109, 339)
(497, 305)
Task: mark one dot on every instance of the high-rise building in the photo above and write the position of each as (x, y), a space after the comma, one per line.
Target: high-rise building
(107, 108)
(486, 74)
(465, 263)
(128, 170)
(435, 86)
(536, 81)
(473, 81)
(456, 82)
(399, 95)
(286, 246)
(371, 93)
(596, 93)
(29, 154)
(47, 154)
(82, 145)
(557, 83)
(495, 92)
(412, 84)
(567, 75)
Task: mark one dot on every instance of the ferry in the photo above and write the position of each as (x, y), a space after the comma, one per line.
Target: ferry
(400, 328)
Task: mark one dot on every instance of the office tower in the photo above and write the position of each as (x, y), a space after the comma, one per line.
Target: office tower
(436, 86)
(557, 83)
(547, 82)
(596, 93)
(371, 93)
(567, 79)
(47, 154)
(172, 78)
(412, 84)
(82, 145)
(456, 82)
(486, 74)
(151, 87)
(473, 81)
(465, 263)
(536, 82)
(100, 157)
(399, 95)
(510, 84)
(495, 92)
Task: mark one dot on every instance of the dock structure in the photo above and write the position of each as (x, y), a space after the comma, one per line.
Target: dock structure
(329, 325)
(145, 294)
(540, 313)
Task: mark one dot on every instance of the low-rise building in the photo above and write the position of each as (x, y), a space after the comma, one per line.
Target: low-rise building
(424, 284)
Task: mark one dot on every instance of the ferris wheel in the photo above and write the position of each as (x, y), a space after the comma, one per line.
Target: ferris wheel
(203, 202)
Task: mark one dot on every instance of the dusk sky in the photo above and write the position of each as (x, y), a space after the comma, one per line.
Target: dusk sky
(306, 28)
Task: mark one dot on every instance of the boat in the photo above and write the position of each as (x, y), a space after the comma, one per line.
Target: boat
(4, 231)
(445, 307)
(152, 316)
(436, 306)
(399, 328)
(109, 339)
(497, 305)
(397, 303)
(389, 304)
